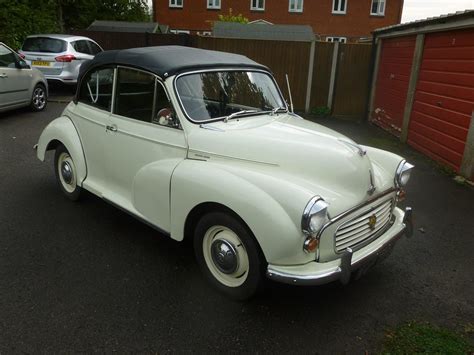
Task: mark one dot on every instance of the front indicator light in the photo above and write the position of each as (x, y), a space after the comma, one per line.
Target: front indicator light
(311, 244)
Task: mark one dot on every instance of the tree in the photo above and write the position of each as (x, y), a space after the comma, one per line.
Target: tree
(230, 17)
(20, 18)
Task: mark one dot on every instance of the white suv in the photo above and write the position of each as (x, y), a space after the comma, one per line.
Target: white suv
(59, 57)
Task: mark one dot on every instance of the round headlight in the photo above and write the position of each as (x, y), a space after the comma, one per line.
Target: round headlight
(315, 215)
(403, 173)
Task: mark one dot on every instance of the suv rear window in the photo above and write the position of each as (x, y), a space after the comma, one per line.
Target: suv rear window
(44, 44)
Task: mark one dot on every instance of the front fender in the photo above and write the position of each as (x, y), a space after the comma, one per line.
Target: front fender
(62, 130)
(196, 182)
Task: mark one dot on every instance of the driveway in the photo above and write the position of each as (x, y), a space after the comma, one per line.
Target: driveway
(86, 277)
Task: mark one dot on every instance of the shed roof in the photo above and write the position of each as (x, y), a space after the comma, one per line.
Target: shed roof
(299, 33)
(166, 61)
(123, 26)
(466, 18)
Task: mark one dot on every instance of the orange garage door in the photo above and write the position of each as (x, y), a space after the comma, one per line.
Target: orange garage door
(396, 58)
(444, 97)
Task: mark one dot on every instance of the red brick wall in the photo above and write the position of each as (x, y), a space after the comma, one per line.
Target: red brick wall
(357, 22)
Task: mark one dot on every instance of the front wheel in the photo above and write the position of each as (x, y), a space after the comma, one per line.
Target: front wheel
(229, 255)
(66, 173)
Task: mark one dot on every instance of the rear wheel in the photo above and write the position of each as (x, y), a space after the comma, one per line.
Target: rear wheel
(66, 173)
(39, 98)
(229, 255)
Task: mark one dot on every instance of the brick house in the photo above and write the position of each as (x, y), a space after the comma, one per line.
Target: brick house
(331, 20)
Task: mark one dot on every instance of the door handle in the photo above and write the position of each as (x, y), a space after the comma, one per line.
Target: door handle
(112, 128)
(3, 75)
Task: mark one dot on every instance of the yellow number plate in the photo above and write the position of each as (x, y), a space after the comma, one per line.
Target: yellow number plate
(40, 63)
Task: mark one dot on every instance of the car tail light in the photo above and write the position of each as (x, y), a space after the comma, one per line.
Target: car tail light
(65, 58)
(22, 56)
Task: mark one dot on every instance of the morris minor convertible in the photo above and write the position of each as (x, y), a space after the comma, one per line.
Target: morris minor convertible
(202, 146)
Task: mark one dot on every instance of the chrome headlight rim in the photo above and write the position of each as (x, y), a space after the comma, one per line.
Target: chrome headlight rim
(404, 167)
(314, 206)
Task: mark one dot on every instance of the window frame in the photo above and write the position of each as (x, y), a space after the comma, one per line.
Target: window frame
(174, 4)
(341, 39)
(224, 69)
(256, 8)
(214, 6)
(296, 10)
(158, 81)
(378, 13)
(77, 98)
(339, 12)
(14, 55)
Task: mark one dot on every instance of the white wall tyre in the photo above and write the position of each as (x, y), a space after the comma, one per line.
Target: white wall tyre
(66, 173)
(229, 255)
(39, 98)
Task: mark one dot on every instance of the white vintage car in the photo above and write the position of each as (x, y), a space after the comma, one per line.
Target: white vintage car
(201, 145)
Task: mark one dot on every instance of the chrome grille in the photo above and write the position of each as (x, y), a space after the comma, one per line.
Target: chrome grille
(50, 71)
(358, 229)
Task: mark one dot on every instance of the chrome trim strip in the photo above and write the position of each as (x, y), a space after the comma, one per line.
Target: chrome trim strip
(222, 70)
(210, 155)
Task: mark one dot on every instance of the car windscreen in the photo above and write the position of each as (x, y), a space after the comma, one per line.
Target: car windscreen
(214, 95)
(44, 44)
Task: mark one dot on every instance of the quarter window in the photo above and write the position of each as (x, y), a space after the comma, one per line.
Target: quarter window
(339, 7)
(213, 4)
(257, 5)
(176, 3)
(81, 47)
(296, 6)
(378, 7)
(96, 88)
(7, 57)
(94, 48)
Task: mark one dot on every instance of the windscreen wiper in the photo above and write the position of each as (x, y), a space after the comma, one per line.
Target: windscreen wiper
(238, 113)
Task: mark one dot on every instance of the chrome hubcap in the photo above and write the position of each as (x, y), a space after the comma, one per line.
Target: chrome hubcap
(66, 172)
(224, 256)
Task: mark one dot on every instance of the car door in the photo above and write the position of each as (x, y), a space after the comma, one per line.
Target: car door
(91, 115)
(142, 148)
(14, 82)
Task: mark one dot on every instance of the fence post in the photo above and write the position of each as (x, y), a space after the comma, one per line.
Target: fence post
(332, 78)
(375, 71)
(415, 69)
(310, 76)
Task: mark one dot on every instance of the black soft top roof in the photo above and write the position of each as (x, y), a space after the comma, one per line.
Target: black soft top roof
(165, 61)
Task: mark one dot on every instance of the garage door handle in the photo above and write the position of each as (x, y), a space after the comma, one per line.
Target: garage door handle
(111, 128)
(3, 76)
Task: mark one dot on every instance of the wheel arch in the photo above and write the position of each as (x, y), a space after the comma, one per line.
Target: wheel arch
(62, 131)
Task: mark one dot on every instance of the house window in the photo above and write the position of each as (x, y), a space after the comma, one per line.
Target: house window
(213, 4)
(257, 5)
(339, 6)
(176, 3)
(378, 7)
(336, 39)
(296, 6)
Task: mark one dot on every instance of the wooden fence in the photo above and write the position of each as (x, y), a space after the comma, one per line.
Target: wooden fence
(340, 72)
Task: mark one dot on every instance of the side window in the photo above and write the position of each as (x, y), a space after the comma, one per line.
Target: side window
(96, 88)
(81, 47)
(94, 48)
(163, 113)
(134, 95)
(7, 57)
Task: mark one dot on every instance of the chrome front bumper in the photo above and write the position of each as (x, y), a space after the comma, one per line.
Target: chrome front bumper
(341, 269)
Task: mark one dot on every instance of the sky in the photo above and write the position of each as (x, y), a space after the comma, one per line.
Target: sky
(421, 9)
